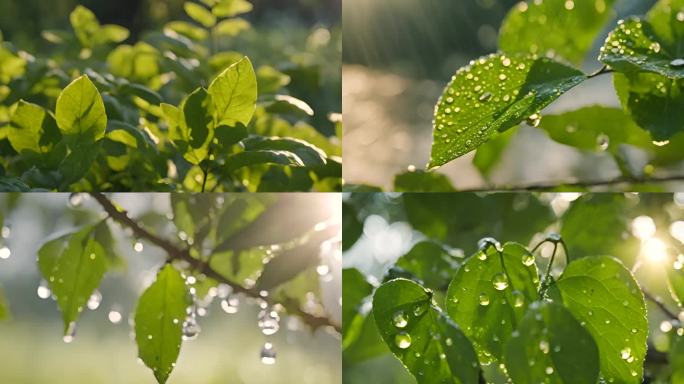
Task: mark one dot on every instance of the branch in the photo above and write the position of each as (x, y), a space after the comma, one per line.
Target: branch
(175, 253)
(579, 184)
(659, 303)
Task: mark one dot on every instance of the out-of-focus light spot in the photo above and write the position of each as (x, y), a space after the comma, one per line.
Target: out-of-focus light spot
(677, 230)
(679, 199)
(654, 250)
(665, 326)
(643, 228)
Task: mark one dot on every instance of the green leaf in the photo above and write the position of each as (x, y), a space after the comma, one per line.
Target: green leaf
(238, 213)
(590, 127)
(8, 184)
(142, 92)
(309, 154)
(476, 301)
(421, 181)
(675, 283)
(80, 110)
(199, 14)
(634, 47)
(231, 27)
(355, 288)
(195, 126)
(230, 8)
(432, 347)
(234, 94)
(238, 266)
(159, 320)
(73, 266)
(603, 295)
(655, 102)
(111, 33)
(495, 93)
(351, 226)
(362, 341)
(550, 346)
(676, 358)
(430, 263)
(85, 25)
(246, 159)
(33, 129)
(187, 29)
(460, 220)
(564, 28)
(606, 213)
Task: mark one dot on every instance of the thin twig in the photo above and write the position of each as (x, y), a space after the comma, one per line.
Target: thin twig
(176, 253)
(580, 184)
(659, 303)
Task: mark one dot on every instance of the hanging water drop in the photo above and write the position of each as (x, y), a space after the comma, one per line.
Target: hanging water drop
(70, 333)
(486, 242)
(500, 282)
(534, 120)
(230, 304)
(268, 354)
(402, 340)
(483, 299)
(603, 142)
(114, 315)
(399, 319)
(43, 291)
(94, 300)
(75, 200)
(528, 259)
(268, 321)
(191, 328)
(138, 246)
(518, 299)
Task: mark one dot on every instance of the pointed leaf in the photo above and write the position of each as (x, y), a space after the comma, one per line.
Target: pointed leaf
(234, 94)
(489, 312)
(32, 128)
(550, 346)
(200, 14)
(491, 95)
(73, 266)
(195, 126)
(432, 347)
(603, 295)
(80, 110)
(159, 320)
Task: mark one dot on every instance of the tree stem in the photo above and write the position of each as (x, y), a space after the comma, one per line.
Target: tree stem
(174, 252)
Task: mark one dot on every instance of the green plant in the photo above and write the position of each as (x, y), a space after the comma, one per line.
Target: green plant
(541, 45)
(230, 248)
(174, 111)
(567, 303)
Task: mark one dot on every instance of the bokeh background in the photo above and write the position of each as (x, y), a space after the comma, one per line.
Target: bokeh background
(227, 349)
(398, 56)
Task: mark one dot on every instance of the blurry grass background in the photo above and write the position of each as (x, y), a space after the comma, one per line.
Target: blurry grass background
(226, 351)
(398, 56)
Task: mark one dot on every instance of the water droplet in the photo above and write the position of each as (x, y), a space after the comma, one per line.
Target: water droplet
(75, 200)
(191, 328)
(500, 282)
(603, 142)
(5, 253)
(399, 319)
(43, 291)
(420, 309)
(268, 321)
(528, 259)
(402, 340)
(6, 231)
(626, 353)
(677, 63)
(518, 299)
(554, 237)
(268, 354)
(70, 333)
(485, 96)
(483, 299)
(94, 300)
(549, 370)
(114, 316)
(534, 120)
(230, 304)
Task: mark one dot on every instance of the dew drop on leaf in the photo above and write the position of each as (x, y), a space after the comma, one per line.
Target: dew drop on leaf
(549, 370)
(420, 309)
(94, 300)
(70, 333)
(528, 259)
(544, 346)
(518, 299)
(500, 282)
(402, 340)
(486, 242)
(268, 354)
(677, 63)
(534, 120)
(483, 299)
(399, 319)
(603, 142)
